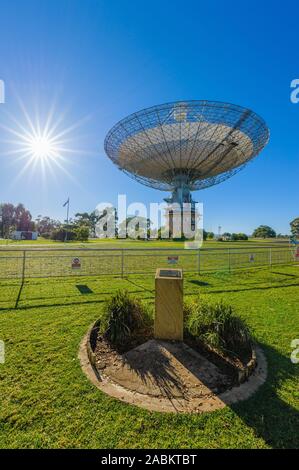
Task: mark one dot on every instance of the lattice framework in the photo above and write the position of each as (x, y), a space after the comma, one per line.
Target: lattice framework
(195, 143)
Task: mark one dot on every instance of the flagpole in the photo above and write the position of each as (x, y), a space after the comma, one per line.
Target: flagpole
(67, 211)
(67, 217)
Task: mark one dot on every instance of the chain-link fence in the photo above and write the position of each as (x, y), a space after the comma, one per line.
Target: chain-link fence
(45, 262)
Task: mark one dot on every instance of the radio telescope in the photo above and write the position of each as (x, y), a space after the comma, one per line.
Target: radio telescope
(186, 146)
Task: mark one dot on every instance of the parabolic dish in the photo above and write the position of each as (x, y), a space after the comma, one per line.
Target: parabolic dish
(197, 143)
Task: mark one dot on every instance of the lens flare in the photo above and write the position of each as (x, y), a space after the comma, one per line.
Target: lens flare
(42, 147)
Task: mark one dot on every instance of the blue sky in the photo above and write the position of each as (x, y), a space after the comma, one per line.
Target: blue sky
(93, 62)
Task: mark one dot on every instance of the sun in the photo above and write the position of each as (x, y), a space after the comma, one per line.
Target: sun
(42, 147)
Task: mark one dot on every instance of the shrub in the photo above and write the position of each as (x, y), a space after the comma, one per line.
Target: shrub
(238, 236)
(82, 233)
(60, 234)
(123, 316)
(217, 326)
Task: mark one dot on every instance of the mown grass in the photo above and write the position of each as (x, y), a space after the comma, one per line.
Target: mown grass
(129, 243)
(46, 401)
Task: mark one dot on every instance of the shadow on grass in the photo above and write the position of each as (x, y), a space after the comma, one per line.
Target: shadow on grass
(276, 421)
(210, 290)
(84, 289)
(284, 274)
(199, 283)
(62, 303)
(19, 294)
(21, 298)
(26, 302)
(140, 286)
(244, 289)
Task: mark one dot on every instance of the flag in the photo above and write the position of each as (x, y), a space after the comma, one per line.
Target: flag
(66, 202)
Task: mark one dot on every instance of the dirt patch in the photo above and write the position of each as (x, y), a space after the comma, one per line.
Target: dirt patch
(165, 369)
(166, 376)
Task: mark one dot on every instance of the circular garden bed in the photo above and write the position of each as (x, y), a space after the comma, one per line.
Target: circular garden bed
(217, 364)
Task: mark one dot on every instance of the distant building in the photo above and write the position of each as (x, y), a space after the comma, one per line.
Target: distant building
(24, 235)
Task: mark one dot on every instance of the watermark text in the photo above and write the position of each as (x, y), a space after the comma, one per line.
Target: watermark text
(295, 91)
(162, 220)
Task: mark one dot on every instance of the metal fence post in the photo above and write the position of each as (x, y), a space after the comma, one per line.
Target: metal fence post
(122, 262)
(198, 261)
(270, 257)
(24, 265)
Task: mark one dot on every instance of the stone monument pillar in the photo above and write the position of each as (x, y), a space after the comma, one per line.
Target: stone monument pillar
(169, 304)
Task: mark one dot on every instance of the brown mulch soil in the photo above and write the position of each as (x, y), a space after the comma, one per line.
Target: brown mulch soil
(108, 355)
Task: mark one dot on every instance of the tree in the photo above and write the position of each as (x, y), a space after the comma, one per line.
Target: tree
(281, 235)
(82, 218)
(160, 230)
(210, 235)
(136, 226)
(23, 219)
(82, 233)
(242, 236)
(295, 227)
(7, 219)
(14, 218)
(264, 231)
(103, 222)
(45, 225)
(238, 236)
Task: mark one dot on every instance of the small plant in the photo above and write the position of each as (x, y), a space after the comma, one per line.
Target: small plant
(217, 326)
(123, 316)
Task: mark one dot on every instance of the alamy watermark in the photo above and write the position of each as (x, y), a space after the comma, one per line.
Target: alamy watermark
(162, 220)
(294, 96)
(2, 92)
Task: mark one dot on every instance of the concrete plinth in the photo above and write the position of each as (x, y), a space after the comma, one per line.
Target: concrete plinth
(169, 304)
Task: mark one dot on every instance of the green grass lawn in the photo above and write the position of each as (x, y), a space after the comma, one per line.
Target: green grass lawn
(129, 243)
(46, 400)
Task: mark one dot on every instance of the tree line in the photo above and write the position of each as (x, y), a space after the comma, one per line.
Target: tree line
(84, 225)
(18, 218)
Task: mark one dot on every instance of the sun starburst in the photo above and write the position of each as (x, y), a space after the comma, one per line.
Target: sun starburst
(43, 146)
